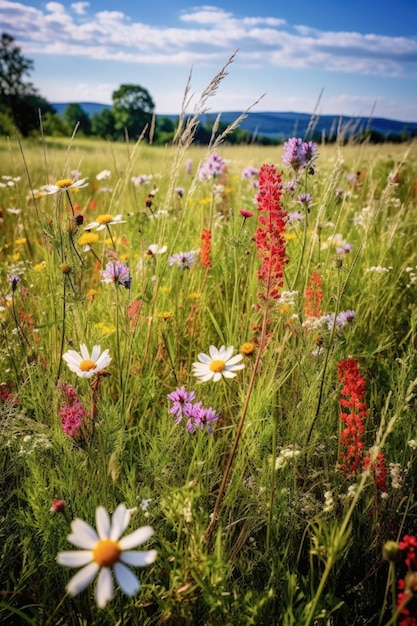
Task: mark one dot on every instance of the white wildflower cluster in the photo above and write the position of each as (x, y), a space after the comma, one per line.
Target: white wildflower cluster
(412, 275)
(412, 443)
(285, 456)
(363, 218)
(31, 443)
(328, 502)
(288, 298)
(9, 181)
(378, 269)
(397, 475)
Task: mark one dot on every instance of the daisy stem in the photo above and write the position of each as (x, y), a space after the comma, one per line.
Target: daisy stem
(70, 202)
(61, 349)
(111, 237)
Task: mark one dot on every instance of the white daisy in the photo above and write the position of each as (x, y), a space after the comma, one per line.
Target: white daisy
(219, 364)
(84, 364)
(65, 184)
(104, 551)
(154, 248)
(105, 220)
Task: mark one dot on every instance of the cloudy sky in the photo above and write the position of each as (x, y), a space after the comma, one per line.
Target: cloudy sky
(360, 54)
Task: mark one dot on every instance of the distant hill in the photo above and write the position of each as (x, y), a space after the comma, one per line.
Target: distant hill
(282, 125)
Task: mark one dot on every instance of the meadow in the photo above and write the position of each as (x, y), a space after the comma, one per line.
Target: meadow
(209, 353)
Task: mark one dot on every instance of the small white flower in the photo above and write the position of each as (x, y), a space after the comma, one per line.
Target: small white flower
(105, 551)
(220, 364)
(155, 249)
(65, 184)
(103, 175)
(84, 364)
(105, 220)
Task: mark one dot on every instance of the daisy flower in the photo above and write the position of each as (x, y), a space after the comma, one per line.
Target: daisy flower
(154, 248)
(105, 220)
(84, 364)
(104, 551)
(220, 364)
(65, 184)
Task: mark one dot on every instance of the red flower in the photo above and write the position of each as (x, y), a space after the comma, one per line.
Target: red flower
(270, 241)
(205, 248)
(353, 391)
(313, 296)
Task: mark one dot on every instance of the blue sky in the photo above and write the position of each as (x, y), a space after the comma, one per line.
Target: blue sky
(361, 54)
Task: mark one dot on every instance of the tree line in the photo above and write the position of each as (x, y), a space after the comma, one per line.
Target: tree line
(23, 108)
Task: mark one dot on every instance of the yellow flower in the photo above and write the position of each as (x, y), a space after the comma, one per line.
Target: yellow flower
(105, 330)
(16, 256)
(194, 295)
(91, 293)
(20, 241)
(165, 315)
(247, 349)
(124, 257)
(290, 236)
(87, 239)
(39, 266)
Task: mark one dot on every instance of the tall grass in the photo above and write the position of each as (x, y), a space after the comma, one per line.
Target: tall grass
(295, 539)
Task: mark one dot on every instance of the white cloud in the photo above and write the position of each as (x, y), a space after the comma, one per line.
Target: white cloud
(80, 7)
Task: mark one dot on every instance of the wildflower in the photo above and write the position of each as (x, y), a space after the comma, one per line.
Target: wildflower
(220, 364)
(247, 349)
(66, 184)
(184, 260)
(134, 310)
(87, 239)
(379, 471)
(353, 392)
(196, 414)
(103, 175)
(295, 217)
(179, 191)
(249, 172)
(84, 364)
(104, 551)
(270, 241)
(298, 153)
(57, 506)
(14, 279)
(205, 248)
(199, 417)
(213, 167)
(342, 319)
(116, 272)
(245, 214)
(105, 220)
(155, 249)
(181, 403)
(305, 199)
(391, 551)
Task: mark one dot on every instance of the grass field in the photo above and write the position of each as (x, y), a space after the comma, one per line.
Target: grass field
(274, 481)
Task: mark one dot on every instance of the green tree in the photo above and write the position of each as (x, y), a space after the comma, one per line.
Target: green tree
(103, 124)
(133, 108)
(19, 100)
(74, 114)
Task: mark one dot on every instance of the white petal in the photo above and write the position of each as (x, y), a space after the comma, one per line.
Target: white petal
(119, 522)
(82, 579)
(217, 376)
(201, 368)
(84, 352)
(83, 536)
(225, 356)
(204, 358)
(126, 580)
(235, 368)
(104, 361)
(104, 589)
(228, 374)
(136, 538)
(138, 559)
(214, 353)
(76, 558)
(205, 377)
(95, 353)
(102, 522)
(235, 359)
(101, 227)
(92, 225)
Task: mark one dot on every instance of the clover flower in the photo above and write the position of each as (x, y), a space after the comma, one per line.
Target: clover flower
(218, 364)
(196, 414)
(65, 184)
(116, 272)
(104, 551)
(105, 220)
(84, 364)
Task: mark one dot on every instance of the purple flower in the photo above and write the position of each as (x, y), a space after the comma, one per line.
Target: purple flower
(72, 413)
(184, 260)
(116, 272)
(14, 279)
(291, 185)
(196, 414)
(342, 319)
(181, 403)
(304, 198)
(345, 248)
(249, 172)
(179, 191)
(298, 153)
(213, 167)
(295, 216)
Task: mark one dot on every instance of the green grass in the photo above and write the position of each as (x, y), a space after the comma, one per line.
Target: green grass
(293, 542)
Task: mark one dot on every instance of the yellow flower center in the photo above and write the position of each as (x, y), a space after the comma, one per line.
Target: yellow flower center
(87, 365)
(217, 365)
(106, 552)
(104, 219)
(64, 183)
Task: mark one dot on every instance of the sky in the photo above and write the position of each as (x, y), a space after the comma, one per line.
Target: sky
(338, 57)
